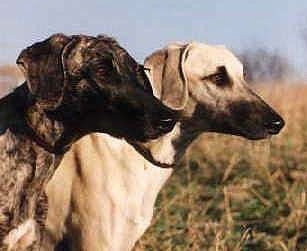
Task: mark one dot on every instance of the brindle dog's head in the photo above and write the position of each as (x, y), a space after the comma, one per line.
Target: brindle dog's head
(207, 82)
(93, 84)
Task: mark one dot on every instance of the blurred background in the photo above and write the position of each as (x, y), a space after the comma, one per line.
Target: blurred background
(228, 193)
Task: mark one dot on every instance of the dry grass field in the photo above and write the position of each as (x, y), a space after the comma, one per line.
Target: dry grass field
(233, 194)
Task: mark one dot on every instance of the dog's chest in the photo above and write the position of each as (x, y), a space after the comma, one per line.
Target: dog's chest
(119, 198)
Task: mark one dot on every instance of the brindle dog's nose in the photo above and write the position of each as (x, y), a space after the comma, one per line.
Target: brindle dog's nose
(275, 124)
(166, 124)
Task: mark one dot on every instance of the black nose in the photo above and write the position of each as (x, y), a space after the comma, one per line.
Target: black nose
(275, 125)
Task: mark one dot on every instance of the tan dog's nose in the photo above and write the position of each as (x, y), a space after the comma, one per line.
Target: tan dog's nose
(275, 124)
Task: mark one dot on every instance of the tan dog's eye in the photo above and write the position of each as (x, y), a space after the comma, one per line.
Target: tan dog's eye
(220, 78)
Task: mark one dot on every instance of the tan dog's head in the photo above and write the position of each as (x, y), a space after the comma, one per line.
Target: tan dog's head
(207, 84)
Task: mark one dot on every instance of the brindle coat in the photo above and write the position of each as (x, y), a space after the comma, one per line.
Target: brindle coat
(74, 86)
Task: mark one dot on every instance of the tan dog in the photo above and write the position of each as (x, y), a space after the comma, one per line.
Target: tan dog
(102, 195)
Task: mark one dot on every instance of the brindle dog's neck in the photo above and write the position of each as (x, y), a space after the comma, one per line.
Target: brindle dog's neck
(45, 131)
(22, 115)
(28, 139)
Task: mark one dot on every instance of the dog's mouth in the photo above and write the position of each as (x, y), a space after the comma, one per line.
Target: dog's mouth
(254, 132)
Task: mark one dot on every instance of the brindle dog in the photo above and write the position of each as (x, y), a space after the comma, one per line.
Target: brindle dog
(74, 85)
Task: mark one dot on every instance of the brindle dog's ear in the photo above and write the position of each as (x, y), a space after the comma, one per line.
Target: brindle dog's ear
(165, 70)
(42, 65)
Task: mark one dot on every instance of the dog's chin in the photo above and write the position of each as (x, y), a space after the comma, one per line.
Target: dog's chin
(255, 135)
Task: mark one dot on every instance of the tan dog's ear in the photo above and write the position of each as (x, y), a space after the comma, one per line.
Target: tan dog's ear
(42, 65)
(165, 70)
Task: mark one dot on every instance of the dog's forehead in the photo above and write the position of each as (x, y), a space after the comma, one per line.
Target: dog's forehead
(207, 58)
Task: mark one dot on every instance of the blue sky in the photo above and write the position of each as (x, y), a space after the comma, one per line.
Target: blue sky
(143, 26)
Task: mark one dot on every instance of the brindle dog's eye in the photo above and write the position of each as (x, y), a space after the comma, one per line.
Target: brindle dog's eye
(102, 66)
